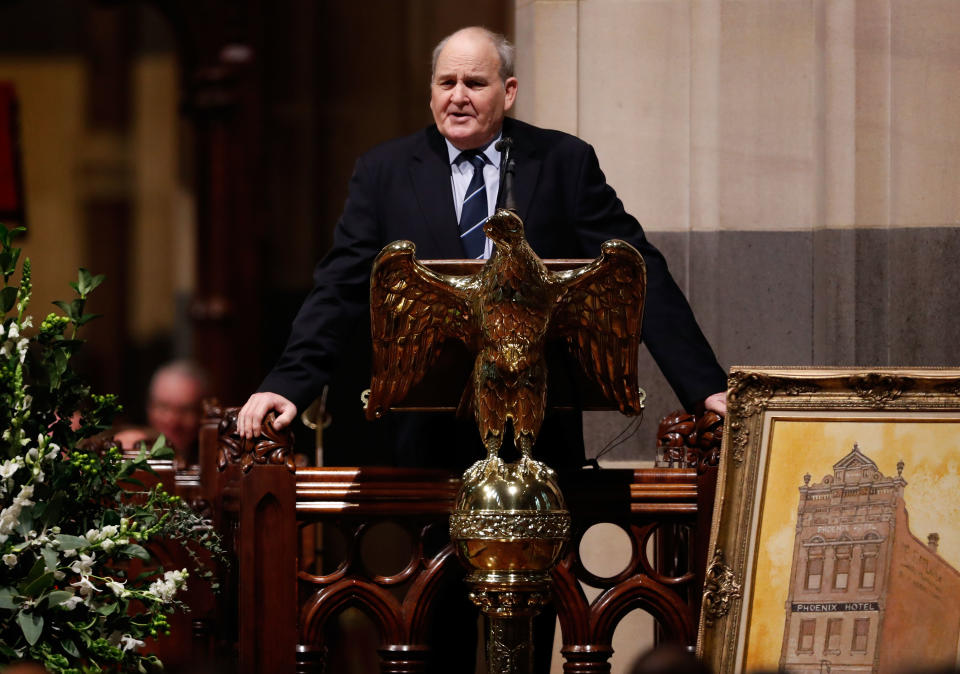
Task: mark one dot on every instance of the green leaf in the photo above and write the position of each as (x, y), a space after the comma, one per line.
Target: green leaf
(6, 598)
(86, 318)
(26, 520)
(160, 449)
(58, 367)
(107, 609)
(32, 626)
(70, 648)
(54, 509)
(71, 542)
(8, 235)
(8, 297)
(162, 453)
(57, 597)
(65, 307)
(35, 572)
(134, 550)
(110, 517)
(86, 282)
(38, 586)
(49, 558)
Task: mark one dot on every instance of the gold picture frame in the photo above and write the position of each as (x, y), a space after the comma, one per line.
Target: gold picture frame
(836, 530)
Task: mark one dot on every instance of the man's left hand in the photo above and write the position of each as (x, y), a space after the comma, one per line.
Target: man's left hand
(717, 403)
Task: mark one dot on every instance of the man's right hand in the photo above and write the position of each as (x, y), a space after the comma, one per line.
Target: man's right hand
(250, 417)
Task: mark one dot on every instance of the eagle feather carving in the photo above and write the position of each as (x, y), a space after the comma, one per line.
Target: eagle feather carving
(504, 314)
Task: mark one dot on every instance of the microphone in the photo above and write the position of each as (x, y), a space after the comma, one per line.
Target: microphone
(505, 197)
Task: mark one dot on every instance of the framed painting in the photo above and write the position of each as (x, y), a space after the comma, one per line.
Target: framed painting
(836, 532)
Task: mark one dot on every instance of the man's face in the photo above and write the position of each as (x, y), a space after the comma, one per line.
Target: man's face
(467, 97)
(174, 409)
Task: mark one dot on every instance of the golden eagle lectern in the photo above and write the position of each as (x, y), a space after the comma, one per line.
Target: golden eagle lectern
(509, 521)
(504, 314)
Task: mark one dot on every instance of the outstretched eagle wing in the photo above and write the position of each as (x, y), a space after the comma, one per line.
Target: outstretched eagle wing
(600, 311)
(413, 310)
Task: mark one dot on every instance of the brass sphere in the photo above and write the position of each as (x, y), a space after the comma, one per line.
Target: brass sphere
(509, 519)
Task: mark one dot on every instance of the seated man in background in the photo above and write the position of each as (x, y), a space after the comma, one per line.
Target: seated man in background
(174, 409)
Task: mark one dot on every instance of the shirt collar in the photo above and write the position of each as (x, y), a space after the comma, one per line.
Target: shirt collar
(490, 150)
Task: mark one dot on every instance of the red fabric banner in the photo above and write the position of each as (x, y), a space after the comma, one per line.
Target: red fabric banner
(11, 188)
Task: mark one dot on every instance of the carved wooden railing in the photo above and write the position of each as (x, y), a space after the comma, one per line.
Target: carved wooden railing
(286, 597)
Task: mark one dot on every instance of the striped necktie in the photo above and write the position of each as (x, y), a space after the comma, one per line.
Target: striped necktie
(474, 210)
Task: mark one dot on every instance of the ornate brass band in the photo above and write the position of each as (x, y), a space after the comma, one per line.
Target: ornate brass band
(510, 525)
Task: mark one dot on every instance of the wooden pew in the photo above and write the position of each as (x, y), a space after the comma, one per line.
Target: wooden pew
(284, 597)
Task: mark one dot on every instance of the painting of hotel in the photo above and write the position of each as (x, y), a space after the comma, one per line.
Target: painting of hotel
(865, 593)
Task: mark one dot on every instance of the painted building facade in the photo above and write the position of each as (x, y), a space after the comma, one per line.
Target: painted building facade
(865, 594)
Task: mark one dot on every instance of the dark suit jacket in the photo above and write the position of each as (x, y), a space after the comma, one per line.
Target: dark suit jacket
(401, 190)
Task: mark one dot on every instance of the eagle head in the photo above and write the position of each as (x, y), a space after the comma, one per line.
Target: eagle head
(504, 228)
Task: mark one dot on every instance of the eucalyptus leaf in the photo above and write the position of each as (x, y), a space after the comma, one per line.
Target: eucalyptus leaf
(69, 648)
(68, 542)
(54, 509)
(49, 558)
(38, 586)
(6, 598)
(31, 624)
(35, 572)
(107, 609)
(134, 550)
(57, 597)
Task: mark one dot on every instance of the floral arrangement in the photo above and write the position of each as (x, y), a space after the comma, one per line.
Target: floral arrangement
(79, 590)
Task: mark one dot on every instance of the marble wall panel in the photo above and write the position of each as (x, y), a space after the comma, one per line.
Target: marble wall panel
(547, 63)
(634, 103)
(766, 120)
(925, 113)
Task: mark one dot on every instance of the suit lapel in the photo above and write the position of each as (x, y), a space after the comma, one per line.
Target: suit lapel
(527, 167)
(430, 175)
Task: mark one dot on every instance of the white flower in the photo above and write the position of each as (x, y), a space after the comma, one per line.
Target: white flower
(59, 575)
(107, 545)
(10, 516)
(116, 588)
(53, 449)
(108, 531)
(72, 602)
(86, 587)
(127, 642)
(27, 322)
(11, 466)
(32, 455)
(84, 565)
(166, 588)
(10, 559)
(14, 331)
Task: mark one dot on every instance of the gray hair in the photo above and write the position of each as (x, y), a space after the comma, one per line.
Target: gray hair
(504, 47)
(182, 367)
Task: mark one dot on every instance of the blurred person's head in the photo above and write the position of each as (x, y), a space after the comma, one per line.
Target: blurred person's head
(174, 403)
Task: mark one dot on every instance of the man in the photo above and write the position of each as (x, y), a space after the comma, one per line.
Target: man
(405, 189)
(174, 409)
(415, 188)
